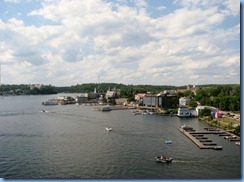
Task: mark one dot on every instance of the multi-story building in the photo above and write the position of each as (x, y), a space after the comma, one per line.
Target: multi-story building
(161, 101)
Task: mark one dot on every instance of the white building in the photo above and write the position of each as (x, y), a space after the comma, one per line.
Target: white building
(110, 94)
(183, 101)
(186, 112)
(200, 108)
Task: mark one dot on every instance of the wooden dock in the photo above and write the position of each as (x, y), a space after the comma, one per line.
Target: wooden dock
(201, 145)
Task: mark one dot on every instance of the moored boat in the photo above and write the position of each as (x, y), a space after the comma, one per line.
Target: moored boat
(230, 137)
(106, 108)
(218, 148)
(186, 127)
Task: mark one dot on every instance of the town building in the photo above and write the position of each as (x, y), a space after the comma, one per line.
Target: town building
(139, 97)
(81, 98)
(164, 101)
(200, 108)
(110, 94)
(183, 101)
(186, 112)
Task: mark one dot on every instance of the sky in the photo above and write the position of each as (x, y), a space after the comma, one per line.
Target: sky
(149, 42)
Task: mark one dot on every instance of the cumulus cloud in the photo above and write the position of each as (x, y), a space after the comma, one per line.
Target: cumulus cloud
(119, 41)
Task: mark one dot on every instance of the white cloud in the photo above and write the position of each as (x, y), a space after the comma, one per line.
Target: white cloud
(122, 43)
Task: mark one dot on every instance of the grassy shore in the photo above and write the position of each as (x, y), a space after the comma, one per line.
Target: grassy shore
(225, 123)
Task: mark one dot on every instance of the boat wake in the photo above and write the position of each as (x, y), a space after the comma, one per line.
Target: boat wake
(185, 161)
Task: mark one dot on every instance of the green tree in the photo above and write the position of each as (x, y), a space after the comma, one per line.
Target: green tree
(205, 112)
(193, 103)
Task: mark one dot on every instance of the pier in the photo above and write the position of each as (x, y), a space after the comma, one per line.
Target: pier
(202, 144)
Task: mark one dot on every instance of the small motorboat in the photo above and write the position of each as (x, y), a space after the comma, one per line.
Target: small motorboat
(163, 159)
(168, 142)
(238, 143)
(108, 128)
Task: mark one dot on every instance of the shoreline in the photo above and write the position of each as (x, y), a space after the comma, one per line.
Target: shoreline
(218, 127)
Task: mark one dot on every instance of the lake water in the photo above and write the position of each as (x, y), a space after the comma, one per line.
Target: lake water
(71, 142)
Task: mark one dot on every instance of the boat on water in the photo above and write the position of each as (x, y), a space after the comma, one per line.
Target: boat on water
(163, 159)
(230, 137)
(44, 111)
(168, 142)
(238, 143)
(218, 148)
(136, 112)
(106, 108)
(108, 128)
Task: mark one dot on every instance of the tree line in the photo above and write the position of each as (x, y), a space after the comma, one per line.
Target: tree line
(224, 97)
(24, 89)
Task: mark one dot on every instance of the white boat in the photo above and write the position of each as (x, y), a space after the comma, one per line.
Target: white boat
(108, 128)
(163, 159)
(238, 143)
(168, 142)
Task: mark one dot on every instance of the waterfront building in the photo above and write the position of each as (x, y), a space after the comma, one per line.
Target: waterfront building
(200, 108)
(186, 112)
(81, 98)
(164, 101)
(139, 97)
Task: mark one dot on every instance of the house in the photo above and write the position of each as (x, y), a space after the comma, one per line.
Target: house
(183, 101)
(110, 94)
(81, 98)
(139, 97)
(186, 112)
(200, 108)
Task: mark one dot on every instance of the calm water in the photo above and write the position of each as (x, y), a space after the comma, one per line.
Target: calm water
(71, 142)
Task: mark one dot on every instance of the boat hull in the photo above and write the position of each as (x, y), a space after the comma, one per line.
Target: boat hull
(160, 159)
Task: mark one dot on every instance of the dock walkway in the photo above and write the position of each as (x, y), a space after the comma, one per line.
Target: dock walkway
(201, 145)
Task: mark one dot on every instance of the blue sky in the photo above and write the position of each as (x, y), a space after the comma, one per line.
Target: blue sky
(169, 42)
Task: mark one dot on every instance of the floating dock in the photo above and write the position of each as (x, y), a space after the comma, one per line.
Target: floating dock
(204, 144)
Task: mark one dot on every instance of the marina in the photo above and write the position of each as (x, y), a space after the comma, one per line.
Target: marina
(202, 144)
